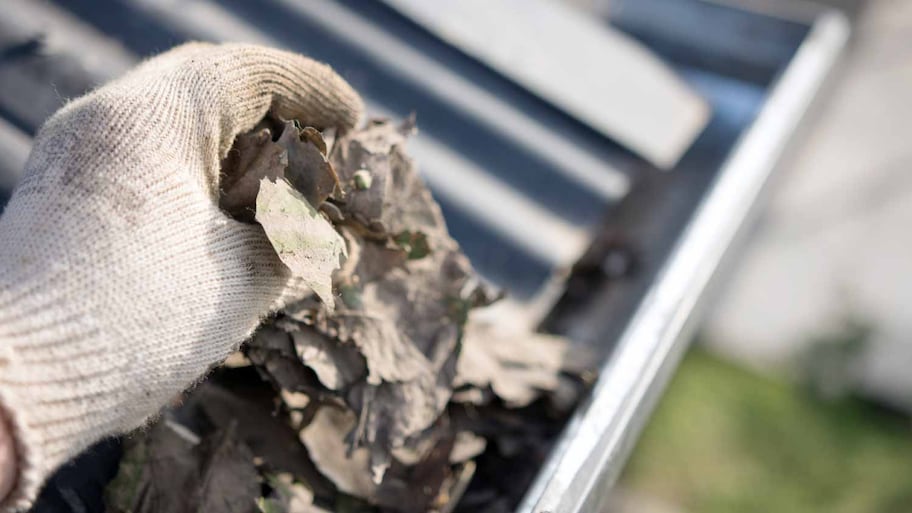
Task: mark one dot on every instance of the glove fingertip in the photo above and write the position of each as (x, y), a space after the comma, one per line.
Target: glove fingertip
(313, 93)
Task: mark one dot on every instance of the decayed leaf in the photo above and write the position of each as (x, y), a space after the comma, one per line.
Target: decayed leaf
(466, 446)
(235, 360)
(171, 469)
(308, 169)
(228, 480)
(253, 158)
(389, 358)
(304, 240)
(426, 482)
(392, 413)
(245, 150)
(396, 199)
(365, 202)
(337, 365)
(273, 353)
(517, 366)
(288, 496)
(252, 413)
(347, 469)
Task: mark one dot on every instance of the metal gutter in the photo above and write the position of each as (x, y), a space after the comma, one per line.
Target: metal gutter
(591, 452)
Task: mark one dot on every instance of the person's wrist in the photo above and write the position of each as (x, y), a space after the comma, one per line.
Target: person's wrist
(8, 462)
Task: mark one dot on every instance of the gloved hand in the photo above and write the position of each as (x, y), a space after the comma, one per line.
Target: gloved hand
(121, 281)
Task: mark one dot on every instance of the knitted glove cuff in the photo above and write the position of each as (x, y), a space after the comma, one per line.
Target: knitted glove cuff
(48, 391)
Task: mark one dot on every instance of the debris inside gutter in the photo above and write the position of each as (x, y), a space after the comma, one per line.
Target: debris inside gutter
(379, 389)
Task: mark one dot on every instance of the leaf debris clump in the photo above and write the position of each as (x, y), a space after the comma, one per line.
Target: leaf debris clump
(378, 391)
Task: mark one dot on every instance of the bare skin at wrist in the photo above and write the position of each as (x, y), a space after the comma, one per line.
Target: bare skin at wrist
(7, 458)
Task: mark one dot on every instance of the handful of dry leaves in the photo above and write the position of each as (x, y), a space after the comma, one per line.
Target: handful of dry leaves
(379, 389)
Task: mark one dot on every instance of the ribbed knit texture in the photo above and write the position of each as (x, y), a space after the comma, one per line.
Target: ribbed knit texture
(121, 282)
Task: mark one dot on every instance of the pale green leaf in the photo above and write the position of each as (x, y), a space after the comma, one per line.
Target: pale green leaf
(304, 240)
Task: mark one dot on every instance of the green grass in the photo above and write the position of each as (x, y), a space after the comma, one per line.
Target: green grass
(726, 440)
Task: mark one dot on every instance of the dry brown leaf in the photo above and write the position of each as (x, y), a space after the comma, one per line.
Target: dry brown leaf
(388, 357)
(324, 438)
(271, 350)
(518, 367)
(288, 496)
(308, 169)
(171, 469)
(267, 435)
(253, 158)
(424, 484)
(337, 365)
(466, 446)
(397, 200)
(246, 149)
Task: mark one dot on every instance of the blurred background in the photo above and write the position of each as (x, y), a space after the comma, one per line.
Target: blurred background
(797, 393)
(577, 190)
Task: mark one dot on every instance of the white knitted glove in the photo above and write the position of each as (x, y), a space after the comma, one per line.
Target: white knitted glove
(121, 281)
